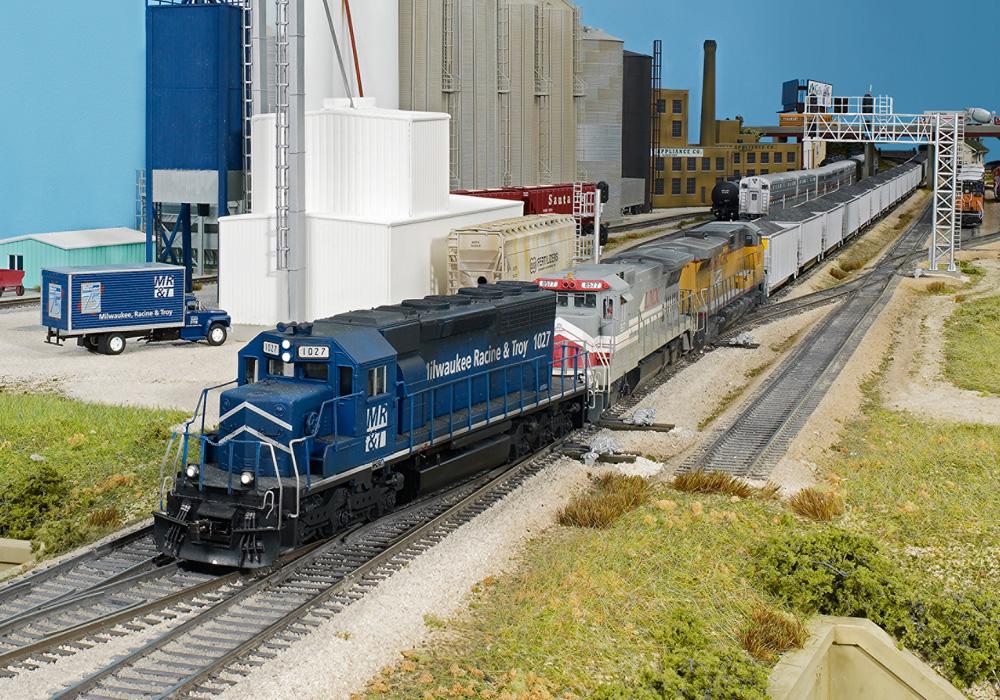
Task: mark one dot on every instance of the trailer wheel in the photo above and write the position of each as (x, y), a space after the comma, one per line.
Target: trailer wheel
(216, 334)
(20, 290)
(92, 343)
(112, 344)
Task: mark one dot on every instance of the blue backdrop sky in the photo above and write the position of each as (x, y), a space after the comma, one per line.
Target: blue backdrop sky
(925, 55)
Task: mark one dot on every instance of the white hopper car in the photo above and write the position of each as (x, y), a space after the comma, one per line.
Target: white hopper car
(798, 237)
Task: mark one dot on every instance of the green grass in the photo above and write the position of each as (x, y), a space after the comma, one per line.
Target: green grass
(972, 348)
(108, 455)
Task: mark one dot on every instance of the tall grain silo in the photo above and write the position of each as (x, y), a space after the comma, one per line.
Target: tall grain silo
(504, 71)
(599, 129)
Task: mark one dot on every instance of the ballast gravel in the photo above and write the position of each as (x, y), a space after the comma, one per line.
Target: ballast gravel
(339, 657)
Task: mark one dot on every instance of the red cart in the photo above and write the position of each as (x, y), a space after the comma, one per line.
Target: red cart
(12, 279)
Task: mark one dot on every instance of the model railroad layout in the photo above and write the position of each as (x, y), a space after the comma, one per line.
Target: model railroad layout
(235, 617)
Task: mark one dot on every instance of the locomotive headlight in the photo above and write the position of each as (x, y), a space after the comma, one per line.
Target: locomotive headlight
(246, 478)
(286, 344)
(191, 471)
(286, 357)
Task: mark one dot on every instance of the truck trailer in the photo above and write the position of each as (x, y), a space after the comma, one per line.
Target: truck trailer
(102, 305)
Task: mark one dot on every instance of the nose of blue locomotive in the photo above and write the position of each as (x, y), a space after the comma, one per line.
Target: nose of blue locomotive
(262, 425)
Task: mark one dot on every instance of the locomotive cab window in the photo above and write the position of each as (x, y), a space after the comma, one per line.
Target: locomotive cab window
(249, 370)
(585, 301)
(346, 381)
(277, 368)
(314, 370)
(562, 299)
(376, 381)
(608, 308)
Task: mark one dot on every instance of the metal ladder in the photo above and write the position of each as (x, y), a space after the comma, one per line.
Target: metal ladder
(247, 98)
(281, 120)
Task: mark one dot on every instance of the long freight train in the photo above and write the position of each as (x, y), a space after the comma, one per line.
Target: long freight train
(338, 421)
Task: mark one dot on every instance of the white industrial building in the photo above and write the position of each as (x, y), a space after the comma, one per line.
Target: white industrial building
(377, 215)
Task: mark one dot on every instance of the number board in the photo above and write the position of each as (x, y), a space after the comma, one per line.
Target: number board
(271, 348)
(313, 352)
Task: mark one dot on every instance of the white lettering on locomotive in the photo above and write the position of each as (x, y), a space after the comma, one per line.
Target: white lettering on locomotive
(271, 348)
(378, 417)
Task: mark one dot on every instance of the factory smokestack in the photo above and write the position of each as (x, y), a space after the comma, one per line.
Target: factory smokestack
(708, 96)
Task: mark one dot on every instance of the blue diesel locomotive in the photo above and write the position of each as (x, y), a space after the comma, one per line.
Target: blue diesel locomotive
(337, 421)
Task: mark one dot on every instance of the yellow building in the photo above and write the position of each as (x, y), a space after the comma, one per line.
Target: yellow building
(685, 173)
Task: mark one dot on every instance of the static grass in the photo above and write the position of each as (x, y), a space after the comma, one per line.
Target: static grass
(109, 455)
(972, 347)
(770, 632)
(588, 607)
(927, 490)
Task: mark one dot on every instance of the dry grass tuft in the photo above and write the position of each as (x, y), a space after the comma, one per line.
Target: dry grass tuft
(719, 482)
(613, 495)
(935, 286)
(837, 273)
(770, 632)
(851, 264)
(107, 517)
(959, 298)
(817, 505)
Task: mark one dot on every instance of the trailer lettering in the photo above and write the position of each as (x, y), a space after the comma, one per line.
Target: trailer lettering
(163, 286)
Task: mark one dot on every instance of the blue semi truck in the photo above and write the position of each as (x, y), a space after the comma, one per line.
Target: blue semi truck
(102, 305)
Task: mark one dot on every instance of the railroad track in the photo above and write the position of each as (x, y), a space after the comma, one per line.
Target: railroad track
(129, 555)
(242, 620)
(772, 416)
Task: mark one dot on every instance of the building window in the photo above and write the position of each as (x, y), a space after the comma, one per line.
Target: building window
(736, 174)
(764, 171)
(676, 133)
(659, 164)
(720, 163)
(675, 186)
(692, 164)
(777, 157)
(15, 262)
(706, 164)
(678, 109)
(691, 188)
(658, 186)
(791, 156)
(751, 172)
(676, 164)
(719, 179)
(751, 158)
(736, 159)
(661, 106)
(765, 158)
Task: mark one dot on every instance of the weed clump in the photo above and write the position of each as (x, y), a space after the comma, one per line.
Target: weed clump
(702, 481)
(29, 499)
(770, 632)
(834, 572)
(936, 287)
(851, 264)
(613, 495)
(57, 536)
(691, 668)
(817, 505)
(838, 273)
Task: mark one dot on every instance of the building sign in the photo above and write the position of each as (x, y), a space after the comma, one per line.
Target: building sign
(757, 146)
(819, 94)
(679, 152)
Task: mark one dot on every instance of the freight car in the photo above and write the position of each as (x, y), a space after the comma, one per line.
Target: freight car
(549, 199)
(726, 201)
(338, 421)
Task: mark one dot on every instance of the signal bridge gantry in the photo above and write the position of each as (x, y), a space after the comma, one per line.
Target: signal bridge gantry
(870, 119)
